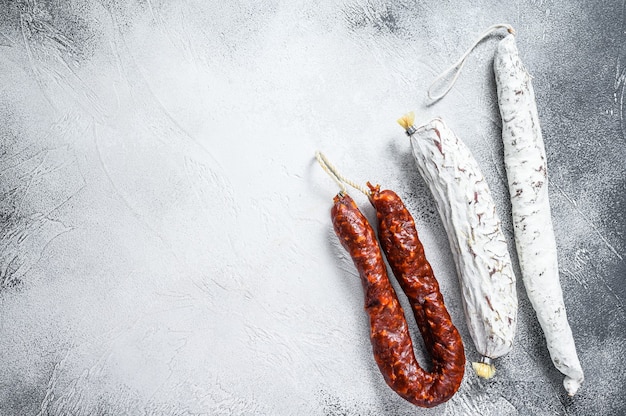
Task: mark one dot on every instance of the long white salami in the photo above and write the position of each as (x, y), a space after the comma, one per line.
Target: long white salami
(526, 168)
(478, 245)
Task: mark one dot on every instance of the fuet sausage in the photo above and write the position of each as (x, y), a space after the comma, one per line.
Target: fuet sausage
(527, 174)
(389, 335)
(475, 235)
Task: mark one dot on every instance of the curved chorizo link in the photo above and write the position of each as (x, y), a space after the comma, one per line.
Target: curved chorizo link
(389, 334)
(405, 254)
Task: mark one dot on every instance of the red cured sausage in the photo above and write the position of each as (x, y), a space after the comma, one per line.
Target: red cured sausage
(405, 254)
(389, 335)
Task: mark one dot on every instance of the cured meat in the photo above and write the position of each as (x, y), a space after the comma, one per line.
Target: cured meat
(404, 251)
(474, 232)
(389, 335)
(527, 175)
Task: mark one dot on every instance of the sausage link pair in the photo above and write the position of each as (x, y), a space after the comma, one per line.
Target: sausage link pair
(389, 335)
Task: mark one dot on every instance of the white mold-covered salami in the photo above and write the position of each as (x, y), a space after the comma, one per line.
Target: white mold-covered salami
(473, 227)
(526, 168)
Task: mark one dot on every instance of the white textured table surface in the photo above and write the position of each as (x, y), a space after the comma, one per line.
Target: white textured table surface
(165, 237)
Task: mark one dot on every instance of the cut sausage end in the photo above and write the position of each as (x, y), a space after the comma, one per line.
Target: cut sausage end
(484, 370)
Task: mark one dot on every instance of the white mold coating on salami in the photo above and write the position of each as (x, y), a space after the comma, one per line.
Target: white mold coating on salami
(478, 245)
(527, 175)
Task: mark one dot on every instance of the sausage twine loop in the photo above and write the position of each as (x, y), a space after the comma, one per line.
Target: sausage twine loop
(458, 65)
(341, 180)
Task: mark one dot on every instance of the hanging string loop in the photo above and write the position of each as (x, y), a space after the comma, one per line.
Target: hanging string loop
(341, 180)
(458, 65)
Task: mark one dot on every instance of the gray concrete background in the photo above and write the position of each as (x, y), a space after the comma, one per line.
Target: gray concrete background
(165, 240)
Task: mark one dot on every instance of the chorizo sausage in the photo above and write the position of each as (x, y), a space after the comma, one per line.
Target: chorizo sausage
(389, 335)
(405, 253)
